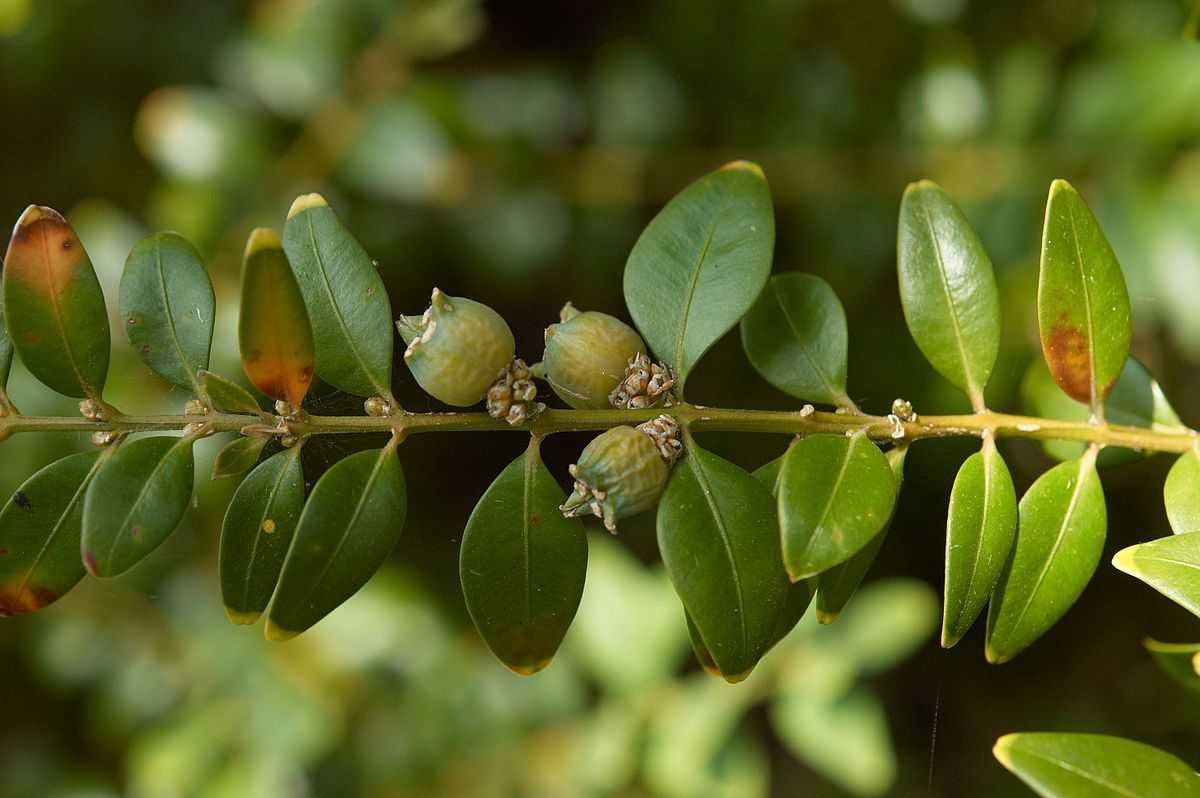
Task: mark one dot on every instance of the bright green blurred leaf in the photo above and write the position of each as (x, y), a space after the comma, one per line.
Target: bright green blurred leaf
(719, 541)
(349, 526)
(135, 502)
(701, 263)
(1094, 766)
(980, 527)
(1083, 305)
(1170, 565)
(795, 336)
(39, 534)
(1060, 536)
(257, 533)
(523, 565)
(835, 494)
(888, 621)
(947, 288)
(346, 301)
(168, 308)
(1181, 661)
(1181, 493)
(54, 307)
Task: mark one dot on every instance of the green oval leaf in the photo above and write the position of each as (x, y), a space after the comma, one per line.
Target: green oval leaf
(257, 532)
(1170, 565)
(54, 307)
(39, 535)
(947, 289)
(6, 354)
(835, 494)
(1181, 661)
(1181, 493)
(1094, 766)
(1060, 535)
(838, 585)
(135, 502)
(523, 565)
(795, 337)
(273, 330)
(718, 538)
(168, 307)
(1083, 305)
(228, 396)
(345, 298)
(980, 528)
(237, 457)
(701, 263)
(349, 526)
(1137, 400)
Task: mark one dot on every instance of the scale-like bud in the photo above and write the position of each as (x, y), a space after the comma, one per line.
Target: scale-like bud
(645, 384)
(456, 348)
(586, 356)
(513, 397)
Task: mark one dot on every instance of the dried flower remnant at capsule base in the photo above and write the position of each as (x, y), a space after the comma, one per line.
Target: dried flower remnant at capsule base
(623, 471)
(586, 356)
(513, 397)
(646, 384)
(456, 348)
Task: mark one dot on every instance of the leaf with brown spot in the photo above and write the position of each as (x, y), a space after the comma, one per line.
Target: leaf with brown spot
(54, 307)
(273, 329)
(1083, 305)
(39, 534)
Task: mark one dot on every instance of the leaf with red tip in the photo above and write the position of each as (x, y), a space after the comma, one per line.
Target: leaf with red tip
(54, 306)
(273, 330)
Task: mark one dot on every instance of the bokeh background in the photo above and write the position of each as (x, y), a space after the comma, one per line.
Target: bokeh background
(512, 152)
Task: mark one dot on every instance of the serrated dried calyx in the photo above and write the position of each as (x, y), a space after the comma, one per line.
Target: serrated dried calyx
(646, 384)
(623, 471)
(513, 397)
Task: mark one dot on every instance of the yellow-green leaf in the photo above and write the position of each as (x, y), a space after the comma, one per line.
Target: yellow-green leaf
(1170, 565)
(1094, 766)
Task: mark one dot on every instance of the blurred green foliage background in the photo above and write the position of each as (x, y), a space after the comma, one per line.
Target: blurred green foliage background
(512, 152)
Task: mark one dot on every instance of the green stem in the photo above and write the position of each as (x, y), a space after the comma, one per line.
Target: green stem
(695, 417)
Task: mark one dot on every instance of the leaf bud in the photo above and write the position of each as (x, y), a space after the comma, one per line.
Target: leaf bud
(513, 397)
(456, 348)
(586, 356)
(645, 384)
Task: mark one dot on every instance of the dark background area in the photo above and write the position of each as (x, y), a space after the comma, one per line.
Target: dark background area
(512, 152)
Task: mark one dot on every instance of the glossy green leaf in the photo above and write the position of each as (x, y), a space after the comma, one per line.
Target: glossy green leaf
(845, 738)
(6, 352)
(836, 586)
(345, 298)
(39, 535)
(349, 526)
(1181, 661)
(168, 307)
(795, 336)
(1181, 493)
(719, 541)
(53, 304)
(800, 594)
(257, 532)
(1170, 565)
(701, 263)
(980, 528)
(274, 335)
(227, 396)
(135, 502)
(1094, 766)
(947, 288)
(238, 456)
(703, 655)
(523, 565)
(1083, 305)
(1060, 536)
(1137, 400)
(835, 494)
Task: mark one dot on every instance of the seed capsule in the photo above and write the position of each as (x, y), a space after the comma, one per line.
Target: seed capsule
(623, 471)
(586, 355)
(456, 348)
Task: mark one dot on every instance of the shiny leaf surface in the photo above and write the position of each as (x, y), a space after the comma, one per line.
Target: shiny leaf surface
(237, 457)
(701, 263)
(1094, 766)
(1170, 565)
(227, 396)
(1181, 493)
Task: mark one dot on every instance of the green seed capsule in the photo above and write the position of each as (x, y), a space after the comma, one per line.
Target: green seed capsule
(586, 356)
(622, 472)
(457, 349)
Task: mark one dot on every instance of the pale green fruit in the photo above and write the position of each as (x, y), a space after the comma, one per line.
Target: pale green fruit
(619, 474)
(586, 356)
(457, 349)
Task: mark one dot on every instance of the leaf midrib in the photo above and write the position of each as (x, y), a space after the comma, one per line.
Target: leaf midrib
(983, 525)
(723, 532)
(693, 283)
(821, 519)
(84, 383)
(166, 301)
(1070, 768)
(834, 393)
(529, 470)
(1096, 405)
(268, 506)
(972, 388)
(141, 496)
